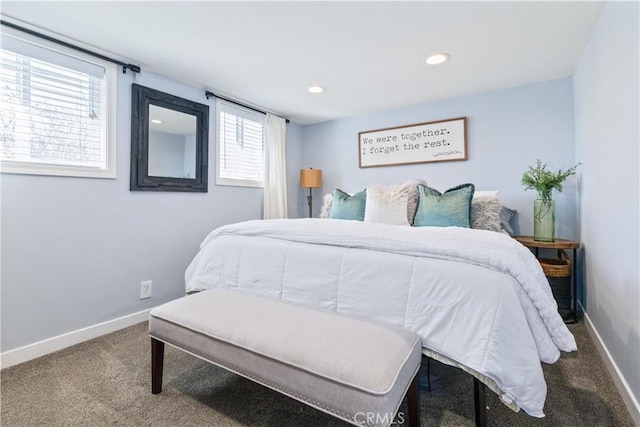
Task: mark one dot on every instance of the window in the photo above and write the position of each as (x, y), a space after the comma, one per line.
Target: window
(240, 146)
(55, 116)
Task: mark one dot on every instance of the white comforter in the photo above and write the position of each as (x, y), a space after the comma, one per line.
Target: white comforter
(477, 297)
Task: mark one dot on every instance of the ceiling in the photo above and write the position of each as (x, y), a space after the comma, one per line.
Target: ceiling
(368, 55)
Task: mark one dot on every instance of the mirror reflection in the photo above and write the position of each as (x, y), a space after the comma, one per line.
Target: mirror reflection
(172, 143)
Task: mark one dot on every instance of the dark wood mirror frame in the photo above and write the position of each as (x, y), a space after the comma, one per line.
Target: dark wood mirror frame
(141, 98)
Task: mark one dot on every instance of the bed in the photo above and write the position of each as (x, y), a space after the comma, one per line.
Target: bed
(477, 298)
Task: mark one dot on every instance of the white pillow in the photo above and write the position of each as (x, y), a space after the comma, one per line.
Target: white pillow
(483, 194)
(327, 202)
(387, 204)
(412, 201)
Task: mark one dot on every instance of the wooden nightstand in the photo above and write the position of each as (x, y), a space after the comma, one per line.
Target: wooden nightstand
(557, 244)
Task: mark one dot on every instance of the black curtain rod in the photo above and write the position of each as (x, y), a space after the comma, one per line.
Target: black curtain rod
(133, 68)
(208, 94)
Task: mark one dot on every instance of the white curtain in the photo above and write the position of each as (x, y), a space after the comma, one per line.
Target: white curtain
(275, 173)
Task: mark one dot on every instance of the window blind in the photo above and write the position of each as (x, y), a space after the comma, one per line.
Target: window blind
(241, 144)
(53, 109)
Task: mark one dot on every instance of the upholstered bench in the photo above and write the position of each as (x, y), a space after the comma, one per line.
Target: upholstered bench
(353, 369)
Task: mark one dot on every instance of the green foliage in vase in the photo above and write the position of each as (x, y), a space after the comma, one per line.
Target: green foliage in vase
(544, 181)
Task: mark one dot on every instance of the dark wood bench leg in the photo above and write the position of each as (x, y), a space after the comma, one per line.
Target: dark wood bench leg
(413, 404)
(480, 402)
(157, 361)
(426, 361)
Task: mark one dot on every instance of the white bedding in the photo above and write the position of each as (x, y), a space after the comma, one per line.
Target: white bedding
(477, 297)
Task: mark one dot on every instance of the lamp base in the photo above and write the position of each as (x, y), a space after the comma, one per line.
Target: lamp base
(309, 201)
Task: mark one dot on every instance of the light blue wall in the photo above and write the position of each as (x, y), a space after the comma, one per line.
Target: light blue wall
(607, 138)
(74, 250)
(507, 131)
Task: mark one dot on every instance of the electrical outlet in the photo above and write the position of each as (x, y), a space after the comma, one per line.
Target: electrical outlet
(145, 289)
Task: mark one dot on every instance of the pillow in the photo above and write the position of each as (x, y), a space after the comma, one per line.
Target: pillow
(505, 219)
(387, 204)
(412, 202)
(485, 213)
(480, 193)
(327, 200)
(450, 209)
(345, 206)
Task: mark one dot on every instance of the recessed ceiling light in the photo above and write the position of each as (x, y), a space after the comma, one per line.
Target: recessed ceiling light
(316, 89)
(156, 121)
(437, 58)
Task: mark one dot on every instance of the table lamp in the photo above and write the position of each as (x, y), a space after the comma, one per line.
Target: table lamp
(310, 178)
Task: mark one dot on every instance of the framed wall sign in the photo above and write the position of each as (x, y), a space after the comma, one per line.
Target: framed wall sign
(441, 141)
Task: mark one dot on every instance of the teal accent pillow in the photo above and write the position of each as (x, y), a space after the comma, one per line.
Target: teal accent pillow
(345, 206)
(451, 209)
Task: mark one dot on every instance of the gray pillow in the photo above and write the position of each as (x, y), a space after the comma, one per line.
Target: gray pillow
(505, 218)
(414, 195)
(485, 213)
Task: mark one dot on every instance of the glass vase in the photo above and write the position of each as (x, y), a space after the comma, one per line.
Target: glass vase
(544, 220)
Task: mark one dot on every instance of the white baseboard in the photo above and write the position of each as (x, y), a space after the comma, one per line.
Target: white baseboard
(621, 384)
(41, 348)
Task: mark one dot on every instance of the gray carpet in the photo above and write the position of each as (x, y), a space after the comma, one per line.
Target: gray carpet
(106, 381)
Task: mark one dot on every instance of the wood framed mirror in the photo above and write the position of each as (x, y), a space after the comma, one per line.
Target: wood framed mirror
(169, 142)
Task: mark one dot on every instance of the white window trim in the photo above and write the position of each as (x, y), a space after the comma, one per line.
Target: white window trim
(31, 168)
(239, 182)
(228, 181)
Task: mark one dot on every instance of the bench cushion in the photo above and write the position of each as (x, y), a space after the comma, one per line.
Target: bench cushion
(340, 364)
